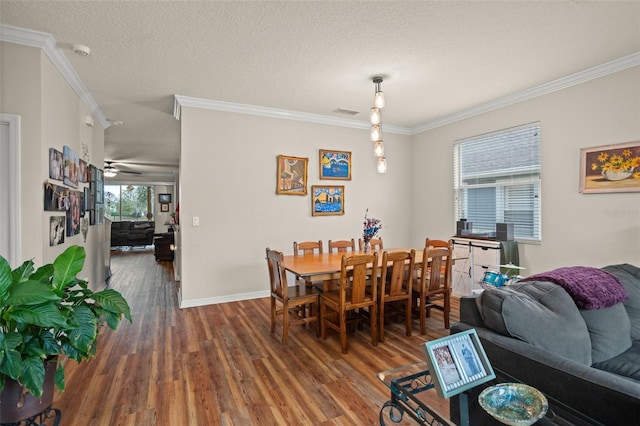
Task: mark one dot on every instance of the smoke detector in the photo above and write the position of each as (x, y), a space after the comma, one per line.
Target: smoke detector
(81, 49)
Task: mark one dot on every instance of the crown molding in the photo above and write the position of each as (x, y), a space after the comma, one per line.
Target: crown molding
(47, 43)
(187, 101)
(598, 71)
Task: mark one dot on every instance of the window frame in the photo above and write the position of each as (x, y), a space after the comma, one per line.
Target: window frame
(527, 177)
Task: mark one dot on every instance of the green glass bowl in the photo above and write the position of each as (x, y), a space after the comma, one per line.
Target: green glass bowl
(514, 404)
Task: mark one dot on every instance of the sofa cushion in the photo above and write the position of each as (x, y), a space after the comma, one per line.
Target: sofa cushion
(626, 364)
(540, 313)
(141, 225)
(629, 276)
(609, 329)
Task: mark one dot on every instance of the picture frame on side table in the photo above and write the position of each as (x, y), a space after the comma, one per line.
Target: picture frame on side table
(335, 164)
(457, 363)
(327, 200)
(610, 168)
(291, 176)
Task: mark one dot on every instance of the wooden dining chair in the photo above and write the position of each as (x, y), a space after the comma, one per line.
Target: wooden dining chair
(342, 246)
(298, 304)
(307, 247)
(376, 244)
(433, 288)
(337, 307)
(396, 286)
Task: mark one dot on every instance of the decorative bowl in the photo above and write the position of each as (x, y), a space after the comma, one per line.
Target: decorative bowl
(514, 404)
(617, 174)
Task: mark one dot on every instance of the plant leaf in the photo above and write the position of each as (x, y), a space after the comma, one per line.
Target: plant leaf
(23, 272)
(85, 334)
(67, 266)
(31, 293)
(58, 378)
(32, 376)
(10, 359)
(113, 301)
(45, 315)
(5, 278)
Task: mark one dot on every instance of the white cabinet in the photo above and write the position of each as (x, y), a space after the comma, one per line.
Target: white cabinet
(472, 258)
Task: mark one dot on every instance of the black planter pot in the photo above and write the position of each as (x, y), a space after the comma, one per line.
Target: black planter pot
(11, 409)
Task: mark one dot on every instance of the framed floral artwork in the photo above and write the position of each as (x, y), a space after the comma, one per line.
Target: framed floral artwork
(335, 164)
(292, 175)
(610, 168)
(327, 200)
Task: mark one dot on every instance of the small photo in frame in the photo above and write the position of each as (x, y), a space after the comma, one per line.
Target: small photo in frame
(164, 199)
(56, 164)
(71, 167)
(56, 230)
(335, 164)
(327, 200)
(457, 363)
(164, 207)
(292, 175)
(610, 168)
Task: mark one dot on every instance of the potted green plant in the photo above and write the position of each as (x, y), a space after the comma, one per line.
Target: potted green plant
(46, 315)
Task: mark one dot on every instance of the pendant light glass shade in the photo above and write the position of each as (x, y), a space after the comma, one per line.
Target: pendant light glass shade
(378, 149)
(376, 135)
(382, 165)
(375, 115)
(378, 101)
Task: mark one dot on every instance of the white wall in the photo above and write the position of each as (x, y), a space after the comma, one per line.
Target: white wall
(577, 229)
(51, 117)
(228, 180)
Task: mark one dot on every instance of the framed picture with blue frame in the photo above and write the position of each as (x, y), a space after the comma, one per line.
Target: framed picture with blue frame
(327, 200)
(335, 164)
(457, 363)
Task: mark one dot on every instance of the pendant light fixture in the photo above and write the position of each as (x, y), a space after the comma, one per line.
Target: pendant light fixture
(376, 126)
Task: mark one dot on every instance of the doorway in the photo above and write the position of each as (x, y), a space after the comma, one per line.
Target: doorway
(10, 187)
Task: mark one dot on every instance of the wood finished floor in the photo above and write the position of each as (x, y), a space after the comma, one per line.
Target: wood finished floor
(219, 364)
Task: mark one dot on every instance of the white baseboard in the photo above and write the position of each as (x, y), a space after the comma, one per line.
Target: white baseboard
(223, 299)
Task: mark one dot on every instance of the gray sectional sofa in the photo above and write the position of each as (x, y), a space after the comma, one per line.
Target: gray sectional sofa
(586, 361)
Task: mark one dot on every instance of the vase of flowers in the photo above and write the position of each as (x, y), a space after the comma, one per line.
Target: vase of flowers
(617, 165)
(371, 227)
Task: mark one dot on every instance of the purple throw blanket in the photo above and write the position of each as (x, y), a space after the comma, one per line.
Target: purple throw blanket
(590, 288)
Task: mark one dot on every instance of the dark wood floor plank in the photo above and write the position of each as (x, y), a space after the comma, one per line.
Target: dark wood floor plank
(220, 365)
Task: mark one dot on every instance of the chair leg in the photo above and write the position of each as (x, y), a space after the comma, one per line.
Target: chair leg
(323, 326)
(343, 331)
(381, 321)
(374, 324)
(316, 311)
(423, 314)
(285, 325)
(447, 309)
(273, 315)
(408, 318)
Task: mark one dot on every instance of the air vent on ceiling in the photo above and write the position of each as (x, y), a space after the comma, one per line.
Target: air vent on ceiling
(345, 111)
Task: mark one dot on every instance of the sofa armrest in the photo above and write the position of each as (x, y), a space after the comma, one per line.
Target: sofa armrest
(602, 396)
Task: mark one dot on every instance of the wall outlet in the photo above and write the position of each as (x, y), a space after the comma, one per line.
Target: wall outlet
(196, 221)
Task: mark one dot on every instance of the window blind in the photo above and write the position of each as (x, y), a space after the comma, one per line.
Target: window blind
(497, 179)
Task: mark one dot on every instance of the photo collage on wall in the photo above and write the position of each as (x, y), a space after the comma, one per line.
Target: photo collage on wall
(66, 167)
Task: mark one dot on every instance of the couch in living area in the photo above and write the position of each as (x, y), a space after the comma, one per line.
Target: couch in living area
(575, 338)
(130, 233)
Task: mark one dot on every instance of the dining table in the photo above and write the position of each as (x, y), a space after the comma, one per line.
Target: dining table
(318, 267)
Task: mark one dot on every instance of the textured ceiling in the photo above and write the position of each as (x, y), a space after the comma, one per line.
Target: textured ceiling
(437, 57)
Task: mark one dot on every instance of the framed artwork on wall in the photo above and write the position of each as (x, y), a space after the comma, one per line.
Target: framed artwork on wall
(164, 207)
(71, 167)
(82, 174)
(56, 164)
(56, 197)
(164, 199)
(335, 164)
(327, 200)
(292, 175)
(56, 230)
(610, 168)
(457, 363)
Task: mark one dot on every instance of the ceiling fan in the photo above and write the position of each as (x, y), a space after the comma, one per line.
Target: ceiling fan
(111, 171)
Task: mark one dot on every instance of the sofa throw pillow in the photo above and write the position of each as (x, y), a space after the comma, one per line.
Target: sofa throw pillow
(609, 329)
(629, 276)
(540, 313)
(143, 225)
